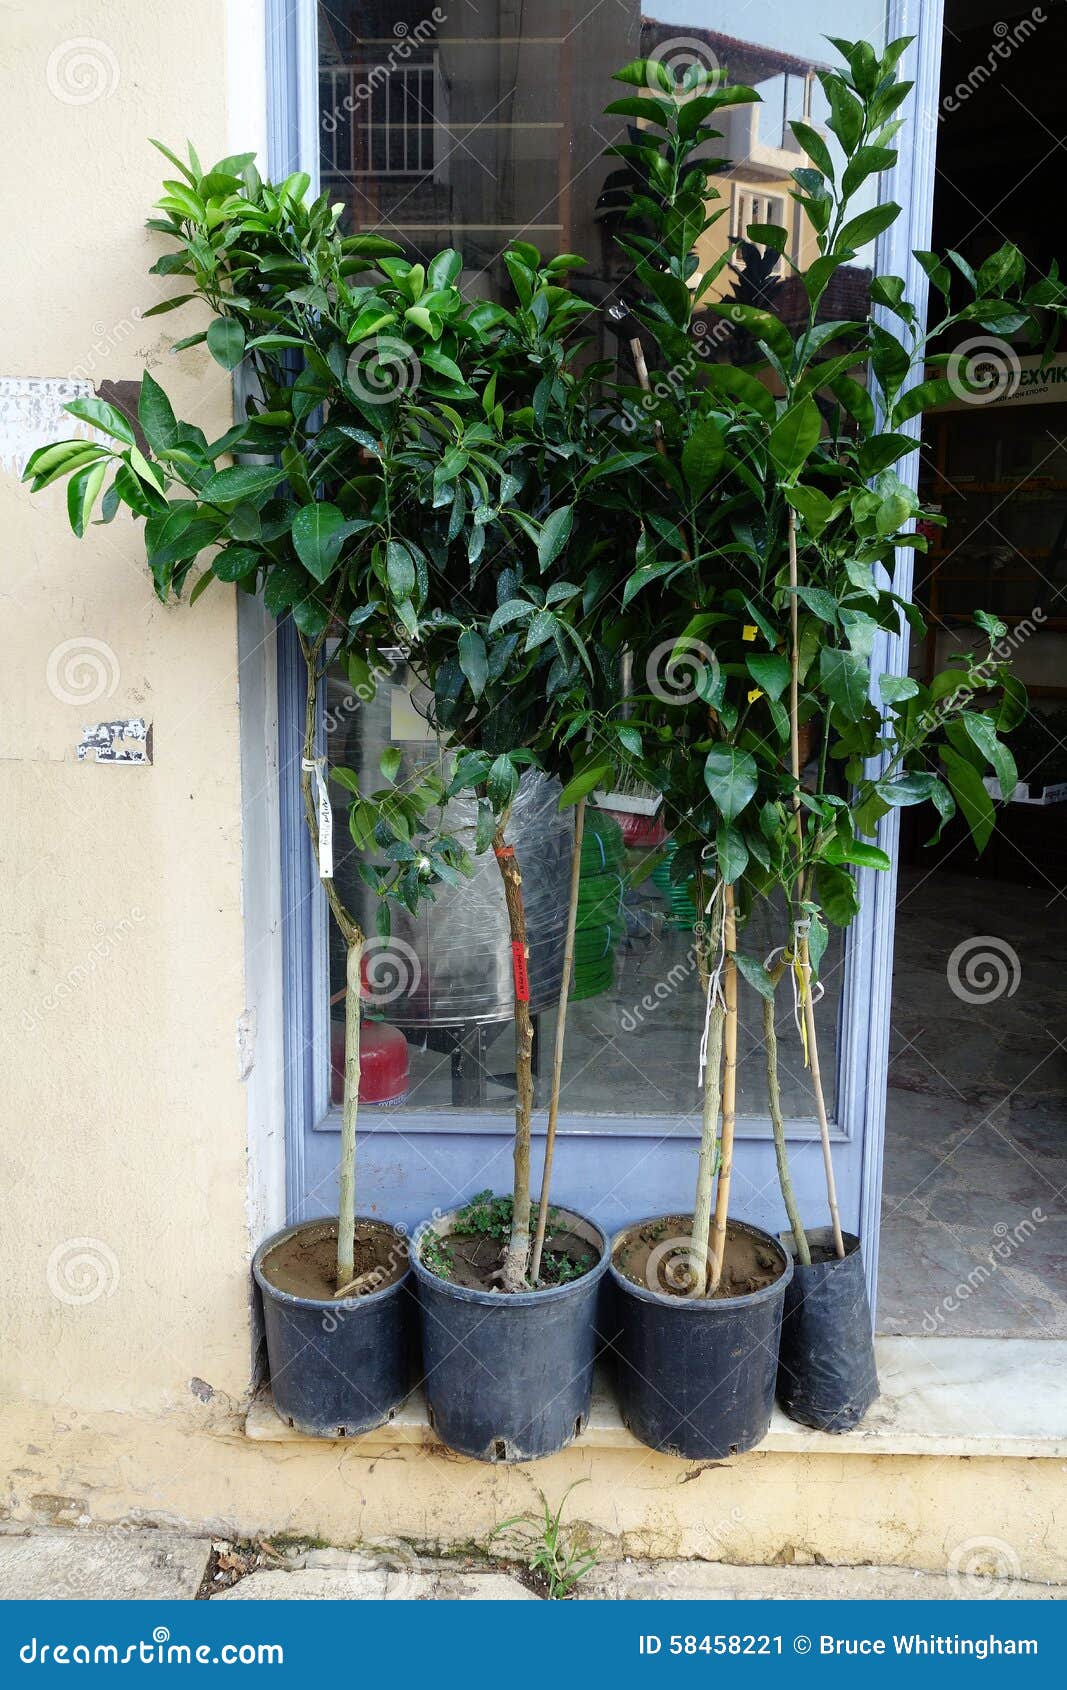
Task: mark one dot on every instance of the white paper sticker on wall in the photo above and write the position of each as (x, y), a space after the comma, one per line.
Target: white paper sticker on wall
(32, 415)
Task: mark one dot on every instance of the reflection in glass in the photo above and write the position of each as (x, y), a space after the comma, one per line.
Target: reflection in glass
(470, 126)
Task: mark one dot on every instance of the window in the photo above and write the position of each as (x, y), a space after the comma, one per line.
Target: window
(468, 127)
(751, 206)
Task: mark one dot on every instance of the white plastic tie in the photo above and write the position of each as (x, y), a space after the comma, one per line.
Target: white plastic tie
(317, 767)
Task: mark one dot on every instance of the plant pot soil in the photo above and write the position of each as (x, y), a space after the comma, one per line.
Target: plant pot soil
(827, 1376)
(696, 1375)
(509, 1376)
(338, 1365)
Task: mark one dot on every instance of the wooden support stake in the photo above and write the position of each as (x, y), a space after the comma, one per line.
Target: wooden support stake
(561, 1033)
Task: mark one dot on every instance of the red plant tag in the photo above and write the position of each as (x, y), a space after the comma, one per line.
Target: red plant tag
(522, 978)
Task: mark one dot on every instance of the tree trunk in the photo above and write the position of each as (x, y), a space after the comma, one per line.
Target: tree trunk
(709, 1144)
(561, 1033)
(516, 1259)
(798, 822)
(774, 1098)
(729, 1097)
(352, 935)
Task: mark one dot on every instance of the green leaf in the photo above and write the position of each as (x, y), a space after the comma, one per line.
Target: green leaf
(473, 660)
(756, 975)
(400, 570)
(740, 386)
(982, 733)
(761, 325)
(857, 852)
(242, 481)
(317, 538)
(845, 678)
(555, 532)
(155, 415)
(771, 672)
(858, 231)
(837, 894)
(226, 342)
(913, 788)
(922, 397)
(389, 762)
(502, 783)
(894, 689)
(731, 853)
(82, 491)
(795, 436)
(596, 772)
(970, 794)
(236, 563)
(815, 147)
(102, 415)
(702, 455)
(812, 505)
(444, 268)
(731, 778)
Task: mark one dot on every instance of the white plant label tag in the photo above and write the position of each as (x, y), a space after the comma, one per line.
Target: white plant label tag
(317, 765)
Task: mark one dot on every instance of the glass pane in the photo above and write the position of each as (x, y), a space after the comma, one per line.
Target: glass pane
(468, 129)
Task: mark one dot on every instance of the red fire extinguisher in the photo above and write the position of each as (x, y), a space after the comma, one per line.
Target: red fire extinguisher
(384, 1070)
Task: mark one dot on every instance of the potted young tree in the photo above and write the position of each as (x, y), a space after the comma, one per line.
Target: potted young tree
(748, 458)
(359, 366)
(508, 1300)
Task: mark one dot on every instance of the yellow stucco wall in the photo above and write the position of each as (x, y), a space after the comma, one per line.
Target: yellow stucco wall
(124, 1119)
(124, 1320)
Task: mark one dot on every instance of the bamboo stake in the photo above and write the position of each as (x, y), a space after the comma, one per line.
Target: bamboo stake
(804, 957)
(516, 1259)
(774, 1098)
(561, 1033)
(729, 1096)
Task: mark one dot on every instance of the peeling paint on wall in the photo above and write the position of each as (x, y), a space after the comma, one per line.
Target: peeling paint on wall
(117, 742)
(32, 414)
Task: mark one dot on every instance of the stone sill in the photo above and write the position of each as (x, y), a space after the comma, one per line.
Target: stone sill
(940, 1396)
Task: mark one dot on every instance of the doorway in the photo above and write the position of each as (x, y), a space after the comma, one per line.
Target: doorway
(974, 1228)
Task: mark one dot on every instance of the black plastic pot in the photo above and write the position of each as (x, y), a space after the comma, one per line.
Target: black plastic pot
(337, 1368)
(826, 1371)
(509, 1377)
(696, 1374)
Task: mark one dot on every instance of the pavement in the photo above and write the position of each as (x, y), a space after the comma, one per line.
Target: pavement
(107, 1564)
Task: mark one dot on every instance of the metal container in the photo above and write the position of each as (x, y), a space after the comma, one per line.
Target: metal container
(452, 962)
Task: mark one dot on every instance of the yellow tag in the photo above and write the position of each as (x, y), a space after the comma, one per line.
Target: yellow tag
(749, 631)
(757, 692)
